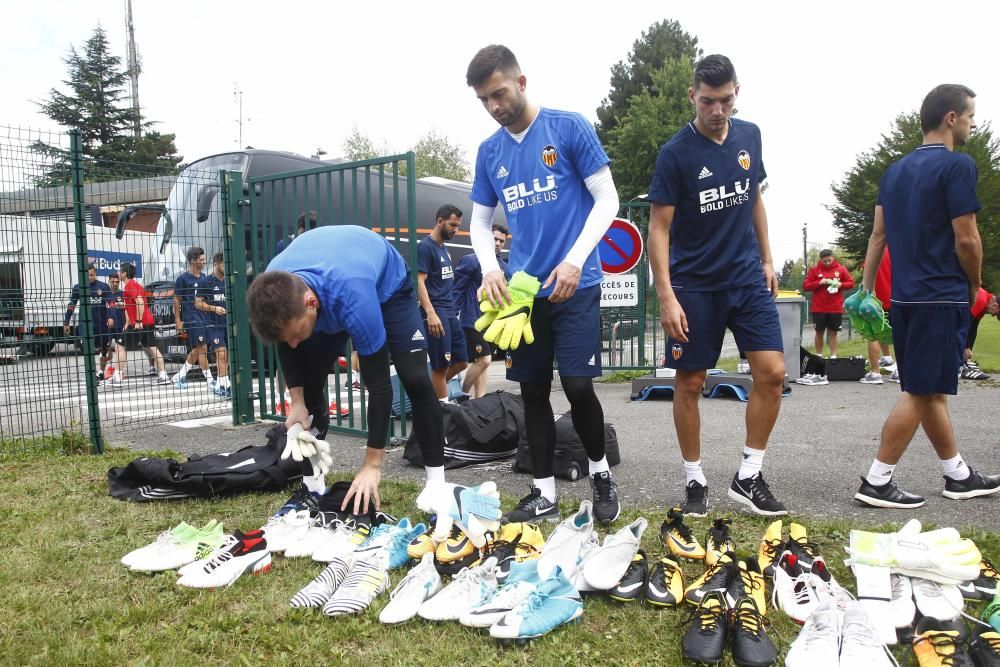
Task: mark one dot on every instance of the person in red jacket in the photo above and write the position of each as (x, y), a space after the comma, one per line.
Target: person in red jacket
(985, 304)
(885, 363)
(828, 281)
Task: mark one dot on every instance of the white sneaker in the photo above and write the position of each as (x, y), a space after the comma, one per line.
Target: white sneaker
(818, 643)
(173, 553)
(606, 566)
(894, 377)
(340, 542)
(467, 590)
(366, 581)
(871, 378)
(247, 552)
(825, 586)
(940, 601)
(562, 548)
(887, 365)
(319, 591)
(321, 527)
(743, 367)
(793, 592)
(520, 582)
(422, 583)
(812, 379)
(901, 606)
(288, 529)
(860, 644)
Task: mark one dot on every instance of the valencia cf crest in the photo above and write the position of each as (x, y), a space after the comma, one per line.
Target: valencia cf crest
(215, 341)
(549, 156)
(744, 159)
(676, 351)
(479, 348)
(447, 357)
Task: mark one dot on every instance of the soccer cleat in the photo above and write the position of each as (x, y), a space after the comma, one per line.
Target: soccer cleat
(421, 583)
(180, 547)
(751, 647)
(606, 505)
(937, 643)
(825, 586)
(988, 579)
(706, 638)
(521, 581)
(243, 552)
(179, 534)
(365, 582)
(818, 643)
(467, 590)
(665, 584)
(288, 529)
(677, 537)
(317, 592)
(793, 593)
(390, 539)
(533, 507)
(799, 544)
(887, 495)
(939, 601)
(695, 499)
(871, 378)
(606, 565)
(564, 545)
(985, 648)
(771, 547)
(976, 484)
(860, 643)
(718, 541)
(340, 541)
(747, 582)
(513, 543)
(301, 499)
(553, 602)
(756, 494)
(422, 544)
(455, 553)
(179, 382)
(716, 577)
(632, 585)
(321, 528)
(590, 546)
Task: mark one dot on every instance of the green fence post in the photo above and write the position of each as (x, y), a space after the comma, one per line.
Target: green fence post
(86, 325)
(237, 317)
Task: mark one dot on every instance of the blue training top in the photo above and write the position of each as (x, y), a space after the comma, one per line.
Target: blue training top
(920, 195)
(540, 183)
(435, 261)
(213, 291)
(186, 287)
(352, 271)
(713, 188)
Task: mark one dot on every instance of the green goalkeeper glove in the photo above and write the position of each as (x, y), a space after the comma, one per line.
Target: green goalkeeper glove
(513, 321)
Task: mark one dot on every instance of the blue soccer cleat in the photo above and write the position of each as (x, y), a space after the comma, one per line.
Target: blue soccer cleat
(554, 602)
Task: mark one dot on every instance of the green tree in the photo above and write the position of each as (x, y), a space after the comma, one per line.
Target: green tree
(436, 156)
(652, 117)
(855, 194)
(662, 42)
(359, 146)
(97, 105)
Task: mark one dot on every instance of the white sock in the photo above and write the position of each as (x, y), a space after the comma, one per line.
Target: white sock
(887, 358)
(694, 473)
(955, 468)
(208, 376)
(434, 474)
(547, 486)
(880, 473)
(184, 369)
(599, 466)
(753, 459)
(224, 382)
(117, 377)
(163, 374)
(315, 483)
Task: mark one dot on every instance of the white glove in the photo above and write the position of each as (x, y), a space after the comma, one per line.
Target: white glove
(475, 510)
(940, 555)
(317, 451)
(292, 443)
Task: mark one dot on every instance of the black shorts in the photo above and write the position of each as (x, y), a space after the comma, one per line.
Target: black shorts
(475, 345)
(135, 339)
(828, 321)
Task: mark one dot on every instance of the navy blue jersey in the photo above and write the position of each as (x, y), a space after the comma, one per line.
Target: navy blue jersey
(920, 195)
(99, 292)
(352, 271)
(468, 279)
(185, 288)
(213, 291)
(116, 309)
(540, 183)
(713, 188)
(435, 261)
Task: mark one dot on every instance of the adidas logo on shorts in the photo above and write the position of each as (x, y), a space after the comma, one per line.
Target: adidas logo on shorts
(704, 173)
(417, 335)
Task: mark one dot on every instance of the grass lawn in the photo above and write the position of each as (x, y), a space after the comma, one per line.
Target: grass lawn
(67, 600)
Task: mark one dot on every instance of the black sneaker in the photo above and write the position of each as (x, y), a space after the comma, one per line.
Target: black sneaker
(533, 507)
(695, 499)
(633, 582)
(756, 494)
(971, 371)
(751, 645)
(887, 495)
(976, 484)
(606, 506)
(302, 499)
(706, 638)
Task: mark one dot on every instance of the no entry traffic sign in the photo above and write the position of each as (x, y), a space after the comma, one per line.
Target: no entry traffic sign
(621, 247)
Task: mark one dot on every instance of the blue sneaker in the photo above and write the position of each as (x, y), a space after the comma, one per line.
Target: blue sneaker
(521, 582)
(555, 601)
(392, 539)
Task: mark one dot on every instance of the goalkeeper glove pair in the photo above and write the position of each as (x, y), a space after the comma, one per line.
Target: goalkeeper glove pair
(507, 324)
(867, 316)
(301, 445)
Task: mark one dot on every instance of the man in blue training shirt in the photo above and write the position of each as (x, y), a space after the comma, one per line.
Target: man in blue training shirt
(468, 279)
(549, 172)
(187, 318)
(211, 301)
(99, 317)
(926, 212)
(435, 287)
(331, 284)
(710, 255)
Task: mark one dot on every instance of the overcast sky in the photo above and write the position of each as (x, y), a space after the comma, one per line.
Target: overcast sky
(822, 81)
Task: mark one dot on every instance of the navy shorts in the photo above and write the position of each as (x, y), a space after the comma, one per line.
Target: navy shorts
(749, 312)
(449, 349)
(475, 345)
(216, 337)
(195, 335)
(567, 332)
(930, 346)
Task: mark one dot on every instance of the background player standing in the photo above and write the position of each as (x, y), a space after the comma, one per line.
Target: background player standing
(211, 301)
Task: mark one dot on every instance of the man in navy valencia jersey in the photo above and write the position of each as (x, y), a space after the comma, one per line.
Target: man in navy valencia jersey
(926, 212)
(711, 258)
(549, 172)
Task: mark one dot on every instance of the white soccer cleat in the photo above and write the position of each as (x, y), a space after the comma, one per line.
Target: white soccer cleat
(319, 591)
(467, 590)
(793, 590)
(562, 548)
(519, 584)
(422, 583)
(605, 567)
(941, 601)
(901, 607)
(367, 580)
(288, 529)
(247, 553)
(860, 643)
(818, 643)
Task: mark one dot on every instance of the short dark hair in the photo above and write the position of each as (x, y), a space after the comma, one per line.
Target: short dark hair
(114, 276)
(309, 218)
(489, 59)
(500, 227)
(128, 269)
(446, 211)
(273, 300)
(714, 70)
(825, 252)
(194, 252)
(940, 102)
(218, 257)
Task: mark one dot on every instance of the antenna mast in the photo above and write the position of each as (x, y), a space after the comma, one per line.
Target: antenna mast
(133, 72)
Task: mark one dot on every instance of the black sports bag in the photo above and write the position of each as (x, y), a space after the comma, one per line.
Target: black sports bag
(571, 461)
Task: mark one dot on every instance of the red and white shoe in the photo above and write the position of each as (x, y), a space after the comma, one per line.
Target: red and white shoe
(241, 553)
(344, 411)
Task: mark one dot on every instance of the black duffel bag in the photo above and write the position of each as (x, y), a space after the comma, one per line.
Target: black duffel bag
(571, 461)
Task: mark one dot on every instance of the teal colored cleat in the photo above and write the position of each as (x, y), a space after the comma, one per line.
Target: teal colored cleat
(554, 602)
